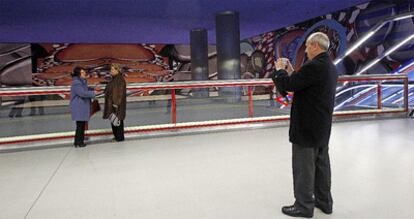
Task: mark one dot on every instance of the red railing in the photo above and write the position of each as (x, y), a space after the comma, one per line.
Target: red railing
(199, 84)
(380, 79)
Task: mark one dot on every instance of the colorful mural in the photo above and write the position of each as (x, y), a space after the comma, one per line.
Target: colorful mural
(141, 62)
(52, 63)
(345, 27)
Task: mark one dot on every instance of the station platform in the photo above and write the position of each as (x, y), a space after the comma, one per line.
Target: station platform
(228, 174)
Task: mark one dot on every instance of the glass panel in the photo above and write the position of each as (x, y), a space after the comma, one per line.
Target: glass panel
(35, 114)
(228, 103)
(265, 103)
(40, 114)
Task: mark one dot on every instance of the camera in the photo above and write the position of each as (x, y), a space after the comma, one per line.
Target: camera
(285, 62)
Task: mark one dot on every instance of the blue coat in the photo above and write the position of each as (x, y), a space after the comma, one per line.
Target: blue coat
(80, 99)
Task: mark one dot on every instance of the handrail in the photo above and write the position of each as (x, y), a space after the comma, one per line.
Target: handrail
(23, 91)
(372, 77)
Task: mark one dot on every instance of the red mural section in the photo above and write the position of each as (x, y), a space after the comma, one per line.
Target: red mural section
(140, 62)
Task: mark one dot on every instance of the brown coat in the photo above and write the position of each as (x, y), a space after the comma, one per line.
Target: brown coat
(115, 94)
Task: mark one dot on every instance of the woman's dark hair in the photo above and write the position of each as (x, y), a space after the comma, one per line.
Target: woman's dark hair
(77, 70)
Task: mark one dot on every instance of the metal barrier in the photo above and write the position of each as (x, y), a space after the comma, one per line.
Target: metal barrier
(174, 125)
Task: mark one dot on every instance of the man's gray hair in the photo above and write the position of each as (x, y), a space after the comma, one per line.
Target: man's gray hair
(321, 39)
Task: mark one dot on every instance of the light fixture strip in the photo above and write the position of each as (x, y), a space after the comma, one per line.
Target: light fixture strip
(371, 33)
(387, 53)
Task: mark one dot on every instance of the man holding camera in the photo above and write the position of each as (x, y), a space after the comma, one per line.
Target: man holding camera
(314, 86)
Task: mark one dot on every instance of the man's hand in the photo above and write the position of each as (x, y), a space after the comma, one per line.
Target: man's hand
(279, 64)
(284, 63)
(289, 67)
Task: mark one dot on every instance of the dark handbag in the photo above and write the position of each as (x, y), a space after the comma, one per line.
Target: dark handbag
(95, 107)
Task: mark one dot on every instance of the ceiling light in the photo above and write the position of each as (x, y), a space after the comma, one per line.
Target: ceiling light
(387, 53)
(372, 31)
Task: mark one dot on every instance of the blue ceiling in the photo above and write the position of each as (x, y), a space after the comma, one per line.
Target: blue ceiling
(148, 21)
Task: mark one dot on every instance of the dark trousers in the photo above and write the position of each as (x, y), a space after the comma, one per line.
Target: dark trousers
(80, 132)
(118, 131)
(311, 177)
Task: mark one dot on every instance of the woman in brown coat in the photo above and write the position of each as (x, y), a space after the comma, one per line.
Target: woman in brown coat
(115, 101)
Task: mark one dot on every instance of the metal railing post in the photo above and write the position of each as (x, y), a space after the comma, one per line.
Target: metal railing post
(173, 107)
(379, 96)
(250, 93)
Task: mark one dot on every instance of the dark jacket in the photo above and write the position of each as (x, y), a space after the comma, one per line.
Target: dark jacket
(314, 87)
(115, 94)
(80, 99)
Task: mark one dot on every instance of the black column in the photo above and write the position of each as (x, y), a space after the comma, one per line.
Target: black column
(228, 51)
(199, 59)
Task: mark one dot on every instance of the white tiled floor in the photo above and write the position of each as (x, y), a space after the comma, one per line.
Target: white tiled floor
(239, 174)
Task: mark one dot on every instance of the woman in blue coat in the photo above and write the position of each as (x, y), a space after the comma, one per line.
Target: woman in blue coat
(80, 103)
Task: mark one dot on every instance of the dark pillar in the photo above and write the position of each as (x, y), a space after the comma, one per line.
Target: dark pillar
(199, 59)
(228, 51)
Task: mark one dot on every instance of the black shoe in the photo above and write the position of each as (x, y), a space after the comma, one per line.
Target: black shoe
(80, 145)
(294, 212)
(324, 209)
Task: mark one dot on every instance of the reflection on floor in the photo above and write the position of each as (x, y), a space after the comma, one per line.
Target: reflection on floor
(237, 174)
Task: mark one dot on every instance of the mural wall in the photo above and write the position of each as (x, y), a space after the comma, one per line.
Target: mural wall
(344, 28)
(54, 62)
(15, 65)
(51, 64)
